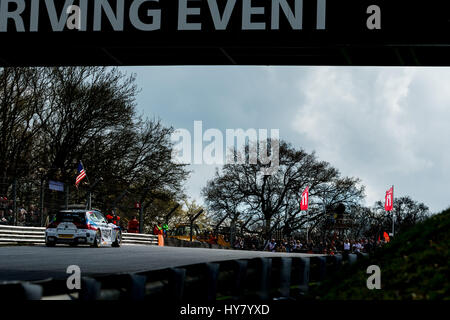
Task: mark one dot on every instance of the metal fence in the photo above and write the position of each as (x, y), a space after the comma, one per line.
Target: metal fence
(36, 235)
(26, 202)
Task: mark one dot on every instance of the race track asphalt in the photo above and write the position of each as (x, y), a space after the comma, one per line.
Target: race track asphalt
(30, 263)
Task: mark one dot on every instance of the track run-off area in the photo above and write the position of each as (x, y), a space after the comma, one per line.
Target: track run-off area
(32, 263)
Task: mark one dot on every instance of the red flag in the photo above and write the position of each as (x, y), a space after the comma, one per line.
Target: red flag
(305, 199)
(389, 199)
(386, 237)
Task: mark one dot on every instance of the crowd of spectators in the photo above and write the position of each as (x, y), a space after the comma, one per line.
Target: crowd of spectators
(323, 247)
(248, 243)
(26, 216)
(6, 213)
(362, 245)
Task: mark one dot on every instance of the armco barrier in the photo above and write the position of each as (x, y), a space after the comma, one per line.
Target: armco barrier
(22, 235)
(33, 235)
(139, 238)
(245, 280)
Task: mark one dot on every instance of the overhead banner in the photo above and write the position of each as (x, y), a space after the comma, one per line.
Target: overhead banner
(54, 185)
(305, 200)
(226, 31)
(389, 200)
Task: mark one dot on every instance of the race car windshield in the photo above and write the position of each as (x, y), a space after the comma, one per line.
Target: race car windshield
(77, 217)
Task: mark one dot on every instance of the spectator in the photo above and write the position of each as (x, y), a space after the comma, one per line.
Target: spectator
(281, 248)
(109, 218)
(272, 245)
(237, 244)
(310, 246)
(347, 247)
(286, 246)
(320, 247)
(212, 239)
(299, 246)
(2, 218)
(367, 246)
(133, 225)
(357, 247)
(293, 245)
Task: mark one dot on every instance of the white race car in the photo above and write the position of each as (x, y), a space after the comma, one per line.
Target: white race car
(82, 227)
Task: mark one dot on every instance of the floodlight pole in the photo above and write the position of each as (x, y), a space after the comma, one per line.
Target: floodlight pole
(66, 200)
(15, 202)
(89, 204)
(192, 223)
(144, 205)
(170, 213)
(118, 199)
(393, 218)
(216, 229)
(41, 202)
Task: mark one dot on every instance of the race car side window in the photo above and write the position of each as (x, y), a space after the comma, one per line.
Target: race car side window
(100, 217)
(92, 216)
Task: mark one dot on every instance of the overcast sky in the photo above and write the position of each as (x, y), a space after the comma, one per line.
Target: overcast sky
(387, 126)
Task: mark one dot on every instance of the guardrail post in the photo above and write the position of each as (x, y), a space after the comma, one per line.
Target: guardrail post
(90, 289)
(176, 284)
(281, 275)
(336, 262)
(322, 267)
(136, 287)
(352, 258)
(260, 279)
(20, 291)
(265, 269)
(300, 276)
(240, 273)
(212, 273)
(318, 268)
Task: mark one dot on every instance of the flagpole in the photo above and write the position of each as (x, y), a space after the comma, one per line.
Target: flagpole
(90, 193)
(307, 228)
(393, 211)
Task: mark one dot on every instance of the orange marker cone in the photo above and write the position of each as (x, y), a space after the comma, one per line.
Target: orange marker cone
(160, 240)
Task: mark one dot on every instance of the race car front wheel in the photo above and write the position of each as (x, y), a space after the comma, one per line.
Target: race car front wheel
(97, 240)
(50, 243)
(118, 240)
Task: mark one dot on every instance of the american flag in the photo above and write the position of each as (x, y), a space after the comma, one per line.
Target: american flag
(81, 174)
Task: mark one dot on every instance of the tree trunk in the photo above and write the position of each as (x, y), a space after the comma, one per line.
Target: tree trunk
(232, 232)
(267, 233)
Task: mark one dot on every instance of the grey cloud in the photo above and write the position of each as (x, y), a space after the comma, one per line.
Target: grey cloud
(384, 125)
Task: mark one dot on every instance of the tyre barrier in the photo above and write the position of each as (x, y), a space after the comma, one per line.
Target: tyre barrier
(35, 235)
(244, 280)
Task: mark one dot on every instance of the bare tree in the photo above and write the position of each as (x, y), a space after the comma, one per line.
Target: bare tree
(22, 98)
(407, 211)
(51, 118)
(244, 190)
